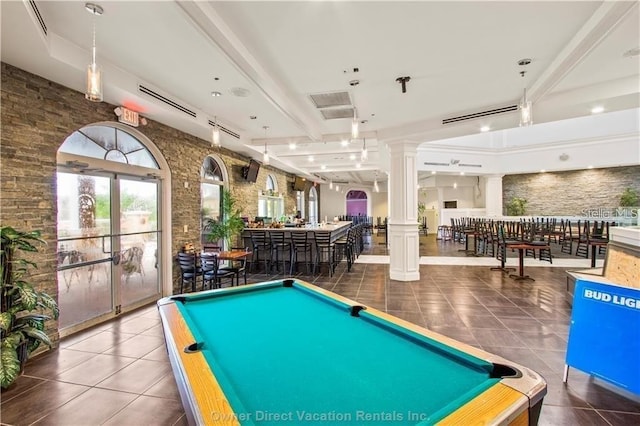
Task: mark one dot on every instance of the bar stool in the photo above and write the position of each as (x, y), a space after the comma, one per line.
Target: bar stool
(325, 249)
(301, 245)
(260, 245)
(280, 250)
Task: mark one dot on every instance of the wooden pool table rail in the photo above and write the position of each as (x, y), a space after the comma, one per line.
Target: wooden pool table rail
(204, 393)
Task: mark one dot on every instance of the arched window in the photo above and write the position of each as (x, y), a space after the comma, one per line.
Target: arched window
(212, 180)
(272, 184)
(270, 202)
(108, 143)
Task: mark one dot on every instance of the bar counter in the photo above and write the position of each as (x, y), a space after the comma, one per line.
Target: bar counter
(337, 230)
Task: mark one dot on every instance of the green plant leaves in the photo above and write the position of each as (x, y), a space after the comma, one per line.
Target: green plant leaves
(19, 298)
(9, 362)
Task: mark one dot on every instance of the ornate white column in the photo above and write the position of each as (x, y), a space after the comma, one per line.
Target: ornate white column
(493, 195)
(403, 208)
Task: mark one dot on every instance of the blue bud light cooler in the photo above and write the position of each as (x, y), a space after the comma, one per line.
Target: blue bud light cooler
(604, 337)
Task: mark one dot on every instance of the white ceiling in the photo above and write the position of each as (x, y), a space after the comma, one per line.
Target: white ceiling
(461, 57)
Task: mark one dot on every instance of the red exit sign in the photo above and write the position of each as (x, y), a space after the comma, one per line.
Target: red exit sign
(129, 117)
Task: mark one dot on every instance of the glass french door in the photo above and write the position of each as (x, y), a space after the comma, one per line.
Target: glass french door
(108, 237)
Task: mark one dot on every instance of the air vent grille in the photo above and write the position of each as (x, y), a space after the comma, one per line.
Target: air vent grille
(328, 100)
(334, 113)
(166, 100)
(480, 114)
(38, 16)
(225, 130)
(469, 165)
(428, 163)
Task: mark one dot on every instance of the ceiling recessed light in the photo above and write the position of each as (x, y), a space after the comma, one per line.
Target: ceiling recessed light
(597, 110)
(292, 145)
(433, 172)
(311, 158)
(323, 167)
(542, 171)
(461, 173)
(357, 165)
(455, 184)
(240, 92)
(485, 128)
(590, 167)
(344, 142)
(215, 94)
(352, 157)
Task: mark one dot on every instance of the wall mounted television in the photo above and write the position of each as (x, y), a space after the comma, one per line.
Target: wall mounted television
(250, 172)
(299, 184)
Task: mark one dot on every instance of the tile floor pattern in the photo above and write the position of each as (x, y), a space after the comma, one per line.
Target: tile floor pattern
(118, 373)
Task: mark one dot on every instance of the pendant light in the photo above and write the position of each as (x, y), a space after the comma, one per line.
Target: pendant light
(364, 154)
(265, 155)
(94, 72)
(215, 137)
(526, 112)
(354, 125)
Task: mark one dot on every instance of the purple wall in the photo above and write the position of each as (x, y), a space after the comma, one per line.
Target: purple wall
(356, 207)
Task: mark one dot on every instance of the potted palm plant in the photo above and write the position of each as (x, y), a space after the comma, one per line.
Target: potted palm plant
(228, 225)
(24, 309)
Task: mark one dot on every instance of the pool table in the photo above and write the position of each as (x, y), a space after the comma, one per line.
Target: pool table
(288, 352)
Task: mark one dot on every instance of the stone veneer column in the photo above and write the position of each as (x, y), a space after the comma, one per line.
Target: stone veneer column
(403, 208)
(493, 195)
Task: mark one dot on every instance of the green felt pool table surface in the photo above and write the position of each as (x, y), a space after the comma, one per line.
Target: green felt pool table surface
(293, 354)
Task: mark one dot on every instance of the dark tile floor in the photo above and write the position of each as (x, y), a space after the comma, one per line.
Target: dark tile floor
(118, 373)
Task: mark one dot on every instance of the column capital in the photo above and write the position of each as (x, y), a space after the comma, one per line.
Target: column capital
(403, 146)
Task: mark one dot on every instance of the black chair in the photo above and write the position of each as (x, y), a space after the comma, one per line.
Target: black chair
(238, 266)
(189, 270)
(280, 251)
(260, 245)
(300, 244)
(212, 274)
(325, 249)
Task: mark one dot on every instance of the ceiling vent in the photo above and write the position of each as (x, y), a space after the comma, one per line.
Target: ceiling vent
(328, 100)
(480, 114)
(469, 165)
(428, 163)
(38, 16)
(166, 100)
(334, 113)
(225, 130)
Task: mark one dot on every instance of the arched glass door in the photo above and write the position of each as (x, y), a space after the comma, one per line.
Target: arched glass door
(108, 225)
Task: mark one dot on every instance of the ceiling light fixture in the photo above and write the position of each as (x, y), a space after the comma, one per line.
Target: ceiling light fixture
(364, 154)
(323, 167)
(94, 72)
(526, 112)
(485, 128)
(355, 131)
(344, 143)
(337, 188)
(215, 139)
(375, 184)
(597, 110)
(455, 185)
(311, 158)
(265, 155)
(292, 145)
(330, 184)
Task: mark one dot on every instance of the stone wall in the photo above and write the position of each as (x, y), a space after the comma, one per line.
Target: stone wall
(38, 115)
(571, 193)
